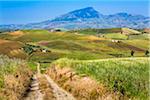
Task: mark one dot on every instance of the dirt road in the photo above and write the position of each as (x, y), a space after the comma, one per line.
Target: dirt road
(35, 93)
(59, 93)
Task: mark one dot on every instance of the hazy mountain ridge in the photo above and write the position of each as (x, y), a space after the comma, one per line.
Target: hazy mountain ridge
(88, 18)
(78, 15)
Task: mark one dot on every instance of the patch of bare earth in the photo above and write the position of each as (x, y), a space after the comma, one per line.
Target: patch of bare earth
(33, 92)
(82, 88)
(16, 33)
(44, 88)
(147, 30)
(12, 49)
(3, 41)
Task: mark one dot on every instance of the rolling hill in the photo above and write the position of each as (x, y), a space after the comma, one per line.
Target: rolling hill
(80, 55)
(70, 45)
(126, 31)
(99, 67)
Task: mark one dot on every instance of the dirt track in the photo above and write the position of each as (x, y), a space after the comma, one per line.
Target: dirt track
(35, 93)
(58, 92)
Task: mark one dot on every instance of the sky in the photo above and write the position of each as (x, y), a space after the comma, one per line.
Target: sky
(30, 11)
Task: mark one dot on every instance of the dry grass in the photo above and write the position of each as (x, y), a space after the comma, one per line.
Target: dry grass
(83, 88)
(46, 89)
(15, 76)
(128, 76)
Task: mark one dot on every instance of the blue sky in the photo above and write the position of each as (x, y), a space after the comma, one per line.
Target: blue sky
(29, 11)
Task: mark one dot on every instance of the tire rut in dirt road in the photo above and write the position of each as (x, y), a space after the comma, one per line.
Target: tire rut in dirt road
(46, 89)
(34, 92)
(58, 92)
(42, 87)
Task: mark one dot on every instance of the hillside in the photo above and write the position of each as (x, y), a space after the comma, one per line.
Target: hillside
(126, 31)
(123, 75)
(74, 50)
(12, 49)
(66, 44)
(81, 62)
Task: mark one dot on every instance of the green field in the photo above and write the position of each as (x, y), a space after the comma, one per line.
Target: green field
(72, 45)
(97, 31)
(116, 36)
(129, 76)
(141, 36)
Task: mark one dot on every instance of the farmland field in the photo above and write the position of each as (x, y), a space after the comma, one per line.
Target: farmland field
(103, 59)
(64, 44)
(126, 75)
(74, 50)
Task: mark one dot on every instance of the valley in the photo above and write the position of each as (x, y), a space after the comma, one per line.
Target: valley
(89, 64)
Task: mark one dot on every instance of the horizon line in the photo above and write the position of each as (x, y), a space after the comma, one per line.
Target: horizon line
(72, 11)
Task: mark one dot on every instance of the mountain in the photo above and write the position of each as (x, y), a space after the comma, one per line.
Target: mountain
(88, 18)
(85, 13)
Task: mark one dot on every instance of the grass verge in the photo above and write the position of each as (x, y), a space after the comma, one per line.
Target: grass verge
(129, 76)
(14, 78)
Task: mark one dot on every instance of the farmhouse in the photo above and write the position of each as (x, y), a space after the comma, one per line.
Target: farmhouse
(45, 50)
(115, 41)
(55, 30)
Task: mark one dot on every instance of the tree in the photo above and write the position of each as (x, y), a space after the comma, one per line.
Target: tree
(146, 53)
(132, 53)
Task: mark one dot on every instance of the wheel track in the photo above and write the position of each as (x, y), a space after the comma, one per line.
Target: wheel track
(58, 92)
(48, 85)
(34, 92)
